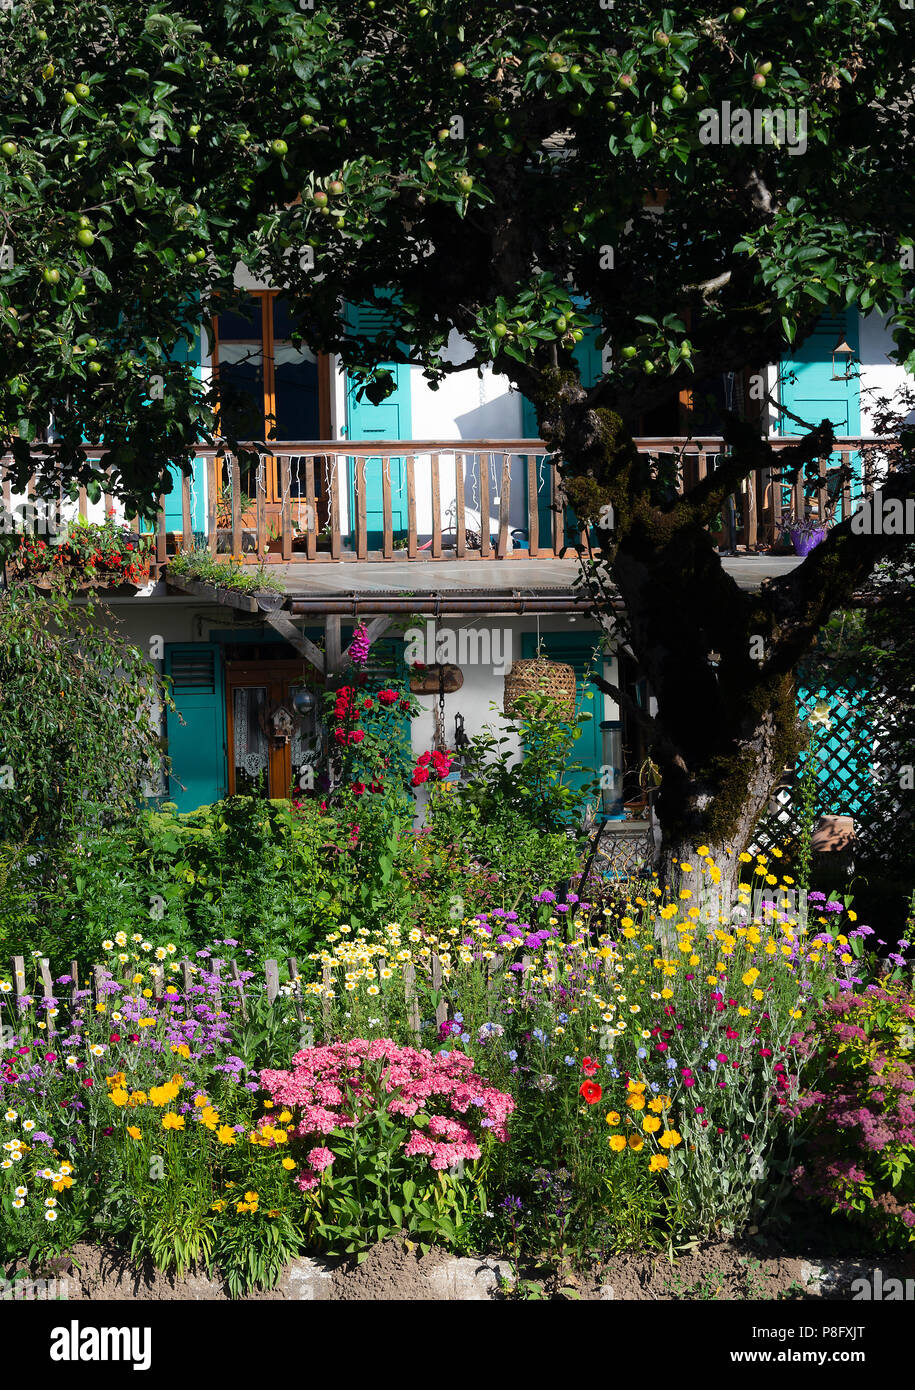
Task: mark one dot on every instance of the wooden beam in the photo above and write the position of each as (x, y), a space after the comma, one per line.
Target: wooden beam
(332, 648)
(283, 624)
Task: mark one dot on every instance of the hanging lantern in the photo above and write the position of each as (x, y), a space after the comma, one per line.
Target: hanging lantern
(539, 676)
(843, 361)
(303, 700)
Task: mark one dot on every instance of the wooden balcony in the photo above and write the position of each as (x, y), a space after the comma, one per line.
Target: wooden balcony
(318, 502)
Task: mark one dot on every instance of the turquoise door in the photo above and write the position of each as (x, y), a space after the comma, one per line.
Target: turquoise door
(196, 746)
(389, 420)
(588, 359)
(173, 510)
(807, 387)
(579, 650)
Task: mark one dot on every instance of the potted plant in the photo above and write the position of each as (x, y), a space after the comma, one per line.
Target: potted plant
(91, 555)
(805, 533)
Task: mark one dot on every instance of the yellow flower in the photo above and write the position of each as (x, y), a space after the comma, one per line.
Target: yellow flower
(651, 1124)
(617, 1142)
(285, 1117)
(613, 1117)
(225, 1134)
(289, 1163)
(172, 1121)
(134, 1132)
(119, 1096)
(750, 977)
(670, 1139)
(636, 1143)
(251, 1197)
(62, 1182)
(657, 1162)
(218, 1206)
(656, 1105)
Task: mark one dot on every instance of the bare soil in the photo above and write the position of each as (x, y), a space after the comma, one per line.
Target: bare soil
(395, 1271)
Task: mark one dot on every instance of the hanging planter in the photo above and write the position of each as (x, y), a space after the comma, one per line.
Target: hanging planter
(87, 556)
(805, 534)
(540, 676)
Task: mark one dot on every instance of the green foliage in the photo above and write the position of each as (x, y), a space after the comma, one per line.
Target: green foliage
(79, 743)
(858, 1155)
(195, 129)
(224, 574)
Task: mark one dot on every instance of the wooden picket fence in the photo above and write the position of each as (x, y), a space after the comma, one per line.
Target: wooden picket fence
(102, 974)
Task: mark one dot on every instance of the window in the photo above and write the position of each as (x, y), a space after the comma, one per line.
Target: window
(269, 388)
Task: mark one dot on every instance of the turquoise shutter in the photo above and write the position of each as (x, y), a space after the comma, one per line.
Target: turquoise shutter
(197, 747)
(390, 420)
(807, 388)
(173, 513)
(589, 360)
(582, 653)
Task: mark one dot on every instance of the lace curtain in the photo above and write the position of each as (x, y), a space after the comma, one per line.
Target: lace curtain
(251, 750)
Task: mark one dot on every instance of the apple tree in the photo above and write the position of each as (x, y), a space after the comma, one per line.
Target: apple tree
(701, 181)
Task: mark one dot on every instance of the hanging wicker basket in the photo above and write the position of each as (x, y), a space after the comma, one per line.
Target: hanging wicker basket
(539, 676)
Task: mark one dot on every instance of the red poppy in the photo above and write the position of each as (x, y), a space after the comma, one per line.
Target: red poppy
(590, 1092)
(589, 1066)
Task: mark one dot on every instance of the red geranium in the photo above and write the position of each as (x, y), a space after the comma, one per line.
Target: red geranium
(590, 1092)
(387, 697)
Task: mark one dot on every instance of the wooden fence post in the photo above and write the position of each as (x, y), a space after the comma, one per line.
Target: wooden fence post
(441, 1008)
(272, 971)
(47, 986)
(412, 1003)
(327, 981)
(236, 976)
(74, 981)
(19, 975)
(296, 985)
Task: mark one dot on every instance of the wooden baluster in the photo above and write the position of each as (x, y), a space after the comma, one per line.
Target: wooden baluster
(217, 963)
(387, 532)
(19, 976)
(846, 484)
(187, 530)
(533, 508)
(286, 507)
(505, 494)
(212, 524)
(235, 473)
(260, 505)
(485, 542)
(333, 507)
(412, 537)
(74, 982)
(460, 549)
(361, 464)
(272, 972)
(311, 509)
(751, 517)
(558, 512)
(436, 509)
(822, 496)
(161, 537)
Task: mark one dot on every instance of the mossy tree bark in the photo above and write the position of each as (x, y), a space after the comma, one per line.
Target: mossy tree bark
(720, 660)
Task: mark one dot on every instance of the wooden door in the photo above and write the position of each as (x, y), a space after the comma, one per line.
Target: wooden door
(268, 740)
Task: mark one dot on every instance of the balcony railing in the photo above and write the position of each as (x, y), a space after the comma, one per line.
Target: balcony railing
(319, 501)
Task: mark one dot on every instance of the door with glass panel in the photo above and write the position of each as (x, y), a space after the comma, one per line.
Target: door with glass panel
(273, 728)
(270, 388)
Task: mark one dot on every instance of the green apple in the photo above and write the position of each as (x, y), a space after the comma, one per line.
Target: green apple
(306, 119)
(561, 323)
(9, 148)
(279, 148)
(85, 237)
(661, 38)
(738, 13)
(91, 343)
(442, 135)
(648, 367)
(554, 61)
(94, 367)
(242, 70)
(625, 79)
(319, 198)
(42, 35)
(758, 81)
(627, 353)
(464, 182)
(458, 70)
(50, 275)
(500, 329)
(81, 89)
(764, 68)
(678, 92)
(335, 187)
(70, 99)
(342, 122)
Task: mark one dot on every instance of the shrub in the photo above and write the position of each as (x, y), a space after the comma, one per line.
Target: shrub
(859, 1105)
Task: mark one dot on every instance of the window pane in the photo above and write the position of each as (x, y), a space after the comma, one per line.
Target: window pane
(241, 370)
(296, 382)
